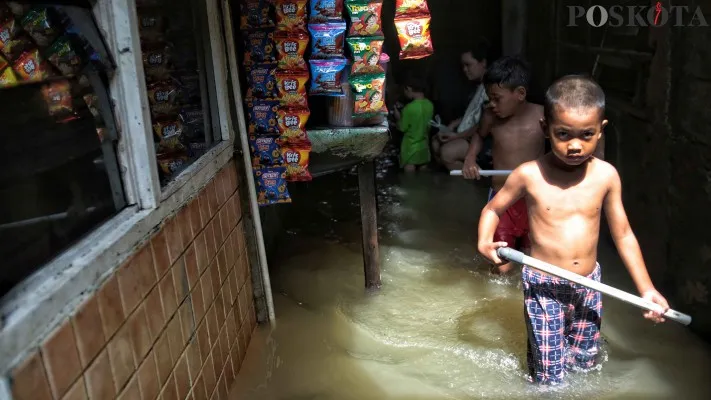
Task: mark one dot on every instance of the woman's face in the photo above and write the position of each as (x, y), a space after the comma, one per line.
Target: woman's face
(473, 69)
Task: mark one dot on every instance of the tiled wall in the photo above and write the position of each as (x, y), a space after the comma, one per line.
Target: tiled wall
(172, 323)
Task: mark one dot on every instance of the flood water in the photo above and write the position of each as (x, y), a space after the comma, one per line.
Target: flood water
(441, 327)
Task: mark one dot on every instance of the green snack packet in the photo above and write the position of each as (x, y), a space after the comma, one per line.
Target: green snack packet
(368, 94)
(365, 17)
(366, 52)
(63, 56)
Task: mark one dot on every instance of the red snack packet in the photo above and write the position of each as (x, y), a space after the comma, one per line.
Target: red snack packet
(411, 7)
(292, 87)
(31, 68)
(13, 41)
(291, 47)
(414, 34)
(58, 96)
(296, 157)
(291, 14)
(291, 122)
(365, 17)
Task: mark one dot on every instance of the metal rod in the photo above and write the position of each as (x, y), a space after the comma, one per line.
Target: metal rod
(483, 172)
(517, 256)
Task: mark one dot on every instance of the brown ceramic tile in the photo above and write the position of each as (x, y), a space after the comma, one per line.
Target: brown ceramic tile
(203, 340)
(227, 295)
(201, 251)
(219, 309)
(229, 258)
(237, 207)
(140, 332)
(174, 238)
(224, 344)
(148, 378)
(242, 302)
(121, 356)
(199, 392)
(77, 391)
(164, 361)
(154, 313)
(191, 266)
(61, 359)
(222, 387)
(29, 380)
(182, 376)
(99, 380)
(128, 276)
(89, 335)
(220, 187)
(222, 264)
(194, 214)
(217, 230)
(212, 198)
(180, 280)
(110, 307)
(170, 391)
(215, 271)
(217, 361)
(225, 223)
(131, 391)
(204, 207)
(234, 356)
(210, 240)
(197, 302)
(241, 275)
(212, 326)
(161, 258)
(186, 320)
(234, 288)
(194, 360)
(231, 327)
(243, 342)
(175, 338)
(206, 284)
(208, 373)
(147, 269)
(168, 295)
(231, 374)
(186, 229)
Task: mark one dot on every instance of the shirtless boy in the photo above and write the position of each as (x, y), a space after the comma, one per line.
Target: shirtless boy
(514, 125)
(565, 191)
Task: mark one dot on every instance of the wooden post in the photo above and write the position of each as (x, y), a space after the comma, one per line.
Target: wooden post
(369, 224)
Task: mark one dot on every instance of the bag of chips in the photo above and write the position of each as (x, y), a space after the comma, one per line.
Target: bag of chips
(30, 67)
(168, 128)
(40, 24)
(262, 116)
(265, 151)
(259, 46)
(291, 15)
(414, 34)
(365, 17)
(13, 42)
(327, 39)
(58, 97)
(151, 25)
(156, 62)
(291, 123)
(170, 163)
(296, 158)
(291, 47)
(255, 14)
(7, 78)
(162, 97)
(368, 94)
(172, 144)
(292, 87)
(327, 77)
(63, 56)
(411, 7)
(326, 10)
(261, 80)
(366, 54)
(271, 186)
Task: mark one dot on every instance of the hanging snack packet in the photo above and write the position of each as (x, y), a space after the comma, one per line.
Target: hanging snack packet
(170, 145)
(296, 158)
(271, 186)
(292, 87)
(168, 128)
(366, 54)
(291, 47)
(151, 25)
(261, 79)
(327, 39)
(31, 68)
(414, 34)
(291, 123)
(12, 41)
(156, 62)
(162, 97)
(365, 17)
(326, 10)
(369, 94)
(40, 25)
(63, 56)
(265, 151)
(58, 96)
(255, 14)
(7, 78)
(259, 46)
(262, 116)
(327, 77)
(411, 7)
(291, 15)
(171, 163)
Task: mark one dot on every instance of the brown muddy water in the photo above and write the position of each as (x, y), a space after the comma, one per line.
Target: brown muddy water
(441, 327)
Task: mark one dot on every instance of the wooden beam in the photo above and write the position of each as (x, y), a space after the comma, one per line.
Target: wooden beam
(369, 224)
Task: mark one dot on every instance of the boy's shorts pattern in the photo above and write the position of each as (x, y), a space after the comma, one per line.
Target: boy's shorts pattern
(513, 225)
(563, 323)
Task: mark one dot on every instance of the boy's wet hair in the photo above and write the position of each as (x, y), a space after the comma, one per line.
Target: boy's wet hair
(480, 50)
(573, 91)
(508, 72)
(416, 82)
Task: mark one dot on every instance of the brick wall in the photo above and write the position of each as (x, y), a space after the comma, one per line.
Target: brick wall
(173, 322)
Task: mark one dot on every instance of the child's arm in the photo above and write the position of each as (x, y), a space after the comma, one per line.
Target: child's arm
(405, 119)
(628, 247)
(470, 170)
(513, 190)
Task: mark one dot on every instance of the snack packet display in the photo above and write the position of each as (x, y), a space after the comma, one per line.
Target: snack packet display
(262, 115)
(12, 40)
(30, 67)
(326, 10)
(414, 34)
(58, 97)
(291, 47)
(290, 14)
(39, 24)
(168, 128)
(151, 26)
(172, 144)
(292, 87)
(411, 7)
(366, 54)
(163, 98)
(255, 14)
(7, 78)
(369, 94)
(271, 186)
(327, 77)
(365, 17)
(156, 62)
(63, 56)
(291, 123)
(259, 46)
(262, 83)
(170, 163)
(296, 158)
(265, 151)
(327, 39)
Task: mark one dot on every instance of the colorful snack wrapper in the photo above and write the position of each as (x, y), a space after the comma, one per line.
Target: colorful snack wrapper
(259, 46)
(265, 151)
(171, 163)
(7, 78)
(271, 186)
(168, 128)
(326, 10)
(262, 81)
(262, 116)
(411, 7)
(368, 93)
(292, 87)
(291, 47)
(58, 96)
(171, 145)
(291, 14)
(39, 24)
(291, 122)
(365, 17)
(151, 25)
(327, 77)
(162, 97)
(327, 39)
(255, 14)
(12, 41)
(3, 63)
(366, 54)
(415, 40)
(63, 56)
(296, 158)
(31, 68)
(156, 62)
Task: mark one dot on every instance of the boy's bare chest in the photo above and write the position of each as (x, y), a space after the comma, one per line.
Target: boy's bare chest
(584, 199)
(517, 134)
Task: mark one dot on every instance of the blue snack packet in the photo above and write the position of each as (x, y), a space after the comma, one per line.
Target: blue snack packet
(327, 77)
(259, 46)
(271, 186)
(326, 10)
(265, 151)
(263, 116)
(262, 81)
(328, 39)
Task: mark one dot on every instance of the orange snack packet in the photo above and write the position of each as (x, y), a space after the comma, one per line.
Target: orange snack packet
(414, 35)
(292, 87)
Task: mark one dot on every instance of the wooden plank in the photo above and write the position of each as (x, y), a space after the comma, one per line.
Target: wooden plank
(369, 227)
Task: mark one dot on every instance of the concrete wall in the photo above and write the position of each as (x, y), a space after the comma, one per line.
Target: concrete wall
(173, 322)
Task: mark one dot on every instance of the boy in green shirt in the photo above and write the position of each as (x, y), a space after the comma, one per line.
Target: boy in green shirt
(413, 122)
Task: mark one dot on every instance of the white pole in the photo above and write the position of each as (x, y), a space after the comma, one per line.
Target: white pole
(483, 172)
(517, 256)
